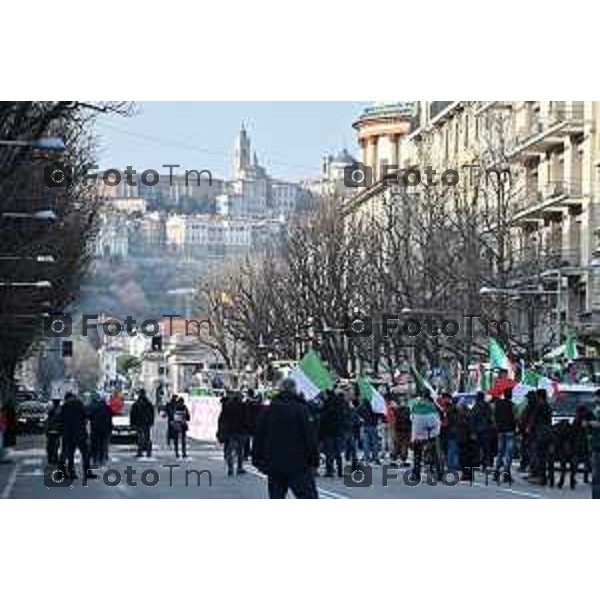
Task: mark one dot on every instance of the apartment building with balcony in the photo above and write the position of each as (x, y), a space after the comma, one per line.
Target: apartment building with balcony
(552, 149)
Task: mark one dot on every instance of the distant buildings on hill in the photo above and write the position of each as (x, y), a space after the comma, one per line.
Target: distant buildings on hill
(194, 211)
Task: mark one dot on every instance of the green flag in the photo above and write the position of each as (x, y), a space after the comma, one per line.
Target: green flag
(368, 393)
(311, 376)
(422, 383)
(571, 352)
(498, 358)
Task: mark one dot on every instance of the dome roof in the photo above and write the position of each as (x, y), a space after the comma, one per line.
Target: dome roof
(344, 158)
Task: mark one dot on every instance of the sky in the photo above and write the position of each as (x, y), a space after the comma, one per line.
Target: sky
(290, 138)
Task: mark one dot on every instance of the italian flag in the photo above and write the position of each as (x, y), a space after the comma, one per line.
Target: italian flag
(422, 383)
(425, 419)
(533, 381)
(568, 350)
(311, 376)
(367, 392)
(498, 358)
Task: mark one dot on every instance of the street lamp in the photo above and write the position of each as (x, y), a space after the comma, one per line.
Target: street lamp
(516, 292)
(40, 215)
(42, 285)
(54, 144)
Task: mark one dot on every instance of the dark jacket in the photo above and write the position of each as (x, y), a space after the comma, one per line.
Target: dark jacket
(541, 419)
(54, 422)
(232, 420)
(101, 419)
(335, 417)
(142, 413)
(73, 418)
(504, 415)
(367, 414)
(180, 414)
(285, 442)
(253, 410)
(481, 417)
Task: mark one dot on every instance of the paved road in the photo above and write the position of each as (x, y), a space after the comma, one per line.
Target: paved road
(23, 477)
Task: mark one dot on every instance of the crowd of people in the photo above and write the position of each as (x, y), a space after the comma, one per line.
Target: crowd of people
(345, 431)
(74, 426)
(293, 440)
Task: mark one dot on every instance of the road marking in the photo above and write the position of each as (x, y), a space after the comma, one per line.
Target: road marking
(510, 491)
(322, 492)
(10, 484)
(34, 473)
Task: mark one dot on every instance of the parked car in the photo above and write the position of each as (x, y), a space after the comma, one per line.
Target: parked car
(122, 431)
(31, 411)
(568, 397)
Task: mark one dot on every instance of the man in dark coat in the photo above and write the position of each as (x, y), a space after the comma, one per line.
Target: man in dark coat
(541, 433)
(286, 447)
(169, 412)
(179, 426)
(75, 436)
(53, 432)
(231, 431)
(142, 420)
(101, 428)
(335, 422)
(253, 407)
(482, 423)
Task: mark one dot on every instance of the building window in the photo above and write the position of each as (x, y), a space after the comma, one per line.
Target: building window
(466, 130)
(456, 135)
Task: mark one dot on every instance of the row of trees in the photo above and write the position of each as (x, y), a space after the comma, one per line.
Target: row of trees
(44, 230)
(413, 251)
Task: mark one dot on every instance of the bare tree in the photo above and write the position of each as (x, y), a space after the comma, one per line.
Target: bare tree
(29, 231)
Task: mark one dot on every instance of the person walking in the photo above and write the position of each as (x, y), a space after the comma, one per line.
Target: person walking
(482, 424)
(371, 441)
(352, 433)
(285, 446)
(142, 420)
(541, 432)
(231, 430)
(53, 432)
(504, 418)
(333, 427)
(403, 426)
(74, 436)
(181, 418)
(253, 407)
(169, 411)
(452, 436)
(524, 424)
(100, 431)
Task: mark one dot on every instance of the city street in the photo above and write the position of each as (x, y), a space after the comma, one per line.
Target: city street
(23, 477)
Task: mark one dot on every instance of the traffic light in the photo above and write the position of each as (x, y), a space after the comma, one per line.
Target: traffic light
(157, 343)
(67, 348)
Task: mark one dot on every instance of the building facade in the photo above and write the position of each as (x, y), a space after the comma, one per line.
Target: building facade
(552, 150)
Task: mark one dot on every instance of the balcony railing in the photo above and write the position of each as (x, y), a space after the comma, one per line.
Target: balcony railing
(539, 132)
(549, 196)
